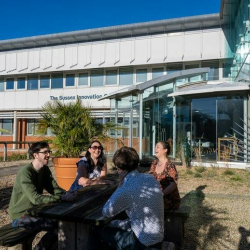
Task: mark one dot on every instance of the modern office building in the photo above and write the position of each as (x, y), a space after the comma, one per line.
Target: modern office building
(184, 78)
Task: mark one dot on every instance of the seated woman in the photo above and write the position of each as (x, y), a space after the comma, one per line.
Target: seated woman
(165, 172)
(92, 168)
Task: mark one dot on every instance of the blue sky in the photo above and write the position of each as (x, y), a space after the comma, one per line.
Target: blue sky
(23, 18)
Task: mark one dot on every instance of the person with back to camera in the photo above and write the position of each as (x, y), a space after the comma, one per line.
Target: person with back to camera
(165, 172)
(140, 197)
(27, 192)
(92, 168)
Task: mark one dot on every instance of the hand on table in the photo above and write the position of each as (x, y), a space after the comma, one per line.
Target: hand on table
(69, 196)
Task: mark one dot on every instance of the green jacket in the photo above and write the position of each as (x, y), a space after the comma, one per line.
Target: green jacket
(28, 190)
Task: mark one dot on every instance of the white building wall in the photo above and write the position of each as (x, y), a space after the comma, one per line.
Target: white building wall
(172, 47)
(135, 51)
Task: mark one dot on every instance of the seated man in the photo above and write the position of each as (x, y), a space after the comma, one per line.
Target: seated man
(27, 192)
(140, 196)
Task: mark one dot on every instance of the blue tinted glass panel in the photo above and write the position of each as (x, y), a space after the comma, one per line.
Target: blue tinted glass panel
(20, 83)
(70, 80)
(32, 83)
(141, 75)
(83, 79)
(44, 81)
(126, 76)
(7, 125)
(1, 85)
(96, 78)
(57, 81)
(10, 83)
(157, 72)
(111, 77)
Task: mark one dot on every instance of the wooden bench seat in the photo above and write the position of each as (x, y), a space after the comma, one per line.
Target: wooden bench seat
(174, 224)
(16, 239)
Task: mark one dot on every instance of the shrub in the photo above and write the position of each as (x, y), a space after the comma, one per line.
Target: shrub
(197, 175)
(228, 172)
(211, 173)
(235, 178)
(200, 169)
(189, 172)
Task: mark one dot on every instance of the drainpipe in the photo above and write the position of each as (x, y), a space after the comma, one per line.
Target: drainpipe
(15, 130)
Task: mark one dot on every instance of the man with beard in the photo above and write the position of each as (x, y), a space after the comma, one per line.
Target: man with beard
(30, 182)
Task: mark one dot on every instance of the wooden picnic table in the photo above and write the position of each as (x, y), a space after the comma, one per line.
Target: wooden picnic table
(75, 218)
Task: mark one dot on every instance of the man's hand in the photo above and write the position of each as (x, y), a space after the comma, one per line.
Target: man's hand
(69, 196)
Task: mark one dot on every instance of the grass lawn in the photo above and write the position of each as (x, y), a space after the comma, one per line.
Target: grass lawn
(220, 202)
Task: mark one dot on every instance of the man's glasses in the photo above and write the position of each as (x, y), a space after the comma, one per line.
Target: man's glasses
(46, 152)
(97, 147)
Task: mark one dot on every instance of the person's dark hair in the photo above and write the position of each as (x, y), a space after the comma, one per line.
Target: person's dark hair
(167, 145)
(36, 147)
(101, 159)
(126, 158)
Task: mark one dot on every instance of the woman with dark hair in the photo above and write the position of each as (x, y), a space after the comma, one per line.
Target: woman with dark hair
(165, 172)
(92, 168)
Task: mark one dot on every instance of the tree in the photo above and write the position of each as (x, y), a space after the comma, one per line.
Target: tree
(72, 125)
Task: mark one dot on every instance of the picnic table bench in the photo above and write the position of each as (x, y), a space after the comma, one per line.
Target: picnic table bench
(21, 238)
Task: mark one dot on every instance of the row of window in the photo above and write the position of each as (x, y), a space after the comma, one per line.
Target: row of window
(98, 78)
(7, 124)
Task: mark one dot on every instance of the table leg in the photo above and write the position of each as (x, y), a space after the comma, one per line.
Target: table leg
(82, 236)
(72, 235)
(66, 235)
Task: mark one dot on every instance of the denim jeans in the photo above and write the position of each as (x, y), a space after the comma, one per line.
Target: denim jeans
(39, 224)
(115, 238)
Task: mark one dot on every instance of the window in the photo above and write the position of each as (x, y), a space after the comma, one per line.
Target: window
(156, 72)
(213, 74)
(126, 76)
(96, 78)
(141, 75)
(10, 83)
(6, 124)
(44, 81)
(70, 80)
(21, 83)
(57, 81)
(32, 126)
(171, 68)
(1, 85)
(83, 79)
(111, 77)
(32, 83)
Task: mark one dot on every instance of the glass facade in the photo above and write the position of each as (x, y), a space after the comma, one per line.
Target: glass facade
(240, 32)
(211, 126)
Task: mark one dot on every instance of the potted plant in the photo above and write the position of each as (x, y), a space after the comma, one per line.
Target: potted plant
(72, 128)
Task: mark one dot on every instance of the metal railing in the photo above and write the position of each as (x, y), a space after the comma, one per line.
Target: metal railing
(5, 148)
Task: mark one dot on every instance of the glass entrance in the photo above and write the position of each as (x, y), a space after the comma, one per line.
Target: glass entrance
(203, 134)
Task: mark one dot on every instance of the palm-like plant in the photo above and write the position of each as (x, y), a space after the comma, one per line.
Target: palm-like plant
(72, 125)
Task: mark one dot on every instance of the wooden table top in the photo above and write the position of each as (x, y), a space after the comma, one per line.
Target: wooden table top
(87, 208)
